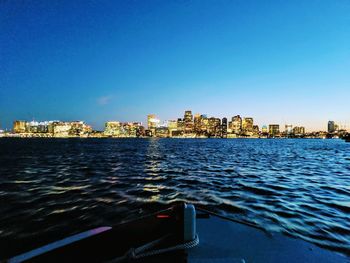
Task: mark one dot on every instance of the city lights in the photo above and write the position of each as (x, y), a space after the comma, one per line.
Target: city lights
(190, 126)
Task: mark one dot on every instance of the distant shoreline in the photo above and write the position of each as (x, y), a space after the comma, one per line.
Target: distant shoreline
(175, 138)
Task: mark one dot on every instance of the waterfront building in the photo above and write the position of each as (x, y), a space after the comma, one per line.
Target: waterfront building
(61, 129)
(255, 129)
(204, 125)
(180, 124)
(128, 129)
(288, 129)
(197, 124)
(124, 129)
(19, 126)
(214, 127)
(229, 127)
(188, 119)
(172, 126)
(264, 129)
(79, 128)
(331, 127)
(247, 125)
(298, 131)
(236, 124)
(336, 127)
(224, 128)
(112, 128)
(152, 121)
(148, 133)
(274, 130)
(162, 132)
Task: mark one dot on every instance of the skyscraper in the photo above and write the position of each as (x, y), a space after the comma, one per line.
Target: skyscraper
(152, 121)
(224, 128)
(188, 119)
(214, 127)
(331, 126)
(236, 124)
(274, 130)
(247, 125)
(288, 129)
(197, 124)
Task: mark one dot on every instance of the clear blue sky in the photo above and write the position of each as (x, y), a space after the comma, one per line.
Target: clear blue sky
(277, 61)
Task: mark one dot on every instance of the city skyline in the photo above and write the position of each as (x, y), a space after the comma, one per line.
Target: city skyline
(330, 125)
(281, 62)
(341, 125)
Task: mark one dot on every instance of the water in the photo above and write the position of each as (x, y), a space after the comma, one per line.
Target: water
(50, 188)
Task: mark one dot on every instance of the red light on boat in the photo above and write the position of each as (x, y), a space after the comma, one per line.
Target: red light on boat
(163, 216)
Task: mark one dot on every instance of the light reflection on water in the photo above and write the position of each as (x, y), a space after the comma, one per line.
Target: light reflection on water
(52, 188)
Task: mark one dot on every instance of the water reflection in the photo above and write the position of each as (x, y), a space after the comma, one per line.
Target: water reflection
(152, 167)
(299, 187)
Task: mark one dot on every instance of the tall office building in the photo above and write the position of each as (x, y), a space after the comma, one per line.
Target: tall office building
(188, 116)
(236, 124)
(331, 126)
(180, 124)
(247, 124)
(188, 119)
(204, 124)
(197, 124)
(274, 130)
(214, 127)
(299, 130)
(224, 128)
(152, 121)
(288, 129)
(172, 127)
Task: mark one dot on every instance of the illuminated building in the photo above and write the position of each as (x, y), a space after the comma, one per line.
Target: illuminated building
(61, 129)
(152, 121)
(247, 125)
(130, 129)
(162, 132)
(172, 126)
(188, 117)
(288, 129)
(112, 128)
(19, 126)
(188, 120)
(331, 127)
(79, 128)
(274, 130)
(236, 124)
(224, 128)
(255, 129)
(140, 131)
(204, 125)
(214, 127)
(299, 131)
(180, 124)
(123, 129)
(197, 124)
(264, 129)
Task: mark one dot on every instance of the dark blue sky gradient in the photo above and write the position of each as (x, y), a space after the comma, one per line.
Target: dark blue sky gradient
(277, 61)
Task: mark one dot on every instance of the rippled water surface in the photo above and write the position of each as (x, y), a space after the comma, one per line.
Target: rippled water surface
(50, 188)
